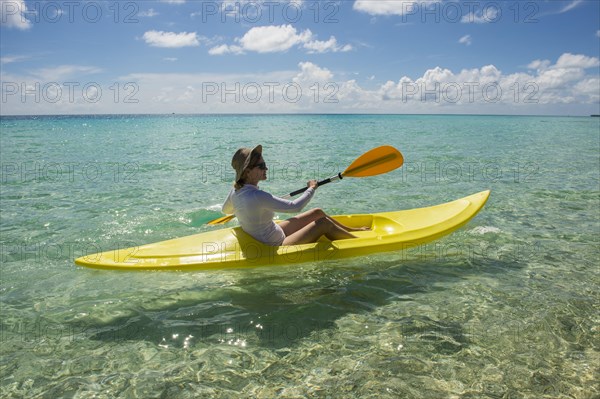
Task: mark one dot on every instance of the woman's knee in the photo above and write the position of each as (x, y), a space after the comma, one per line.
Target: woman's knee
(318, 213)
(324, 223)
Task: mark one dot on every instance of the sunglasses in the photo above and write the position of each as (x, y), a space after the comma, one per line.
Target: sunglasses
(261, 166)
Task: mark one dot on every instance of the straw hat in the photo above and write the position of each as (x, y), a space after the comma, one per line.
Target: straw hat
(241, 160)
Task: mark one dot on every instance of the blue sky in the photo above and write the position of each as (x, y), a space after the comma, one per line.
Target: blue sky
(184, 56)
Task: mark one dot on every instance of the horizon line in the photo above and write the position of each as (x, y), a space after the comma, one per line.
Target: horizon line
(291, 114)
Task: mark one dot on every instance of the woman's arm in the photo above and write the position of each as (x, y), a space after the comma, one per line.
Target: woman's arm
(277, 204)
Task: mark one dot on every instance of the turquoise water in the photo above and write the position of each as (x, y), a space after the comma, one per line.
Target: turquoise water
(507, 306)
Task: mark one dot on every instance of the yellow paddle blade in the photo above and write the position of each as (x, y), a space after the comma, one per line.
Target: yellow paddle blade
(375, 162)
(221, 220)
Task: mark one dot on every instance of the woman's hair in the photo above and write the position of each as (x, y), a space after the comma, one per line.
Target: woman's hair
(253, 160)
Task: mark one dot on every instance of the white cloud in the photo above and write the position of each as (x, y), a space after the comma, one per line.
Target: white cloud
(269, 39)
(589, 87)
(63, 73)
(566, 8)
(570, 6)
(173, 1)
(310, 73)
(170, 59)
(171, 39)
(598, 33)
(486, 15)
(9, 59)
(225, 49)
(559, 78)
(566, 61)
(391, 7)
(539, 64)
(278, 38)
(147, 13)
(219, 50)
(12, 14)
(569, 60)
(564, 78)
(331, 45)
(466, 40)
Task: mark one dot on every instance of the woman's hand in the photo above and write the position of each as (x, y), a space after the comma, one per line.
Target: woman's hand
(312, 184)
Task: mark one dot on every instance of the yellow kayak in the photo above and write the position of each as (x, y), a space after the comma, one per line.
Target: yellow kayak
(231, 247)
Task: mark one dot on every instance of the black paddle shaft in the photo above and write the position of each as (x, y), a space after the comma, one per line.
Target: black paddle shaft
(325, 181)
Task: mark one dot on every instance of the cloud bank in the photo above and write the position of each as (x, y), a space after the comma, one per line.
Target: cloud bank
(570, 84)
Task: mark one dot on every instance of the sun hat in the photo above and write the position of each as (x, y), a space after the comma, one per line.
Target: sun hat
(241, 160)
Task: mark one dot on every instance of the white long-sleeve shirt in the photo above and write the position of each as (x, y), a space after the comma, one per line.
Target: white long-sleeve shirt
(255, 210)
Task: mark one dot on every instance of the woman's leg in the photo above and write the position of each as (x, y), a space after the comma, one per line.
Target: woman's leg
(292, 225)
(311, 232)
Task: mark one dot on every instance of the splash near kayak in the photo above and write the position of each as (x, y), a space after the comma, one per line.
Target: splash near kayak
(232, 248)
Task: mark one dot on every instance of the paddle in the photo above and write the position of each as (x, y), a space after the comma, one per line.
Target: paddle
(372, 163)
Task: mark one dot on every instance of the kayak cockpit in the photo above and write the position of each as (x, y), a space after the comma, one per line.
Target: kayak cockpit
(379, 225)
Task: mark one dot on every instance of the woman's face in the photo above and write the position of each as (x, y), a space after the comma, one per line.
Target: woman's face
(259, 171)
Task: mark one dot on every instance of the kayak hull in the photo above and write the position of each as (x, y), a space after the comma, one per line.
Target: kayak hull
(232, 248)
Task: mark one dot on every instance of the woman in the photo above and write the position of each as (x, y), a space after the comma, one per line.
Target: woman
(255, 208)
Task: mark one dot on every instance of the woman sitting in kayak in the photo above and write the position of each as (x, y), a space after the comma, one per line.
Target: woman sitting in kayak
(255, 208)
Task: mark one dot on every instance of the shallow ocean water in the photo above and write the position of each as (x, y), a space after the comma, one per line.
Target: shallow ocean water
(507, 306)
